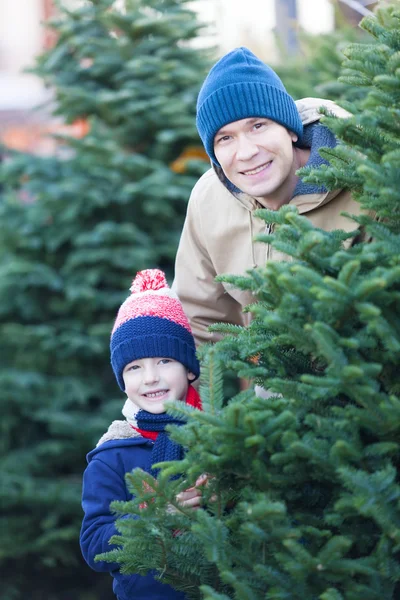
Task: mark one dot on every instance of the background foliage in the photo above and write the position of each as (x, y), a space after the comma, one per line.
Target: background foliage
(303, 493)
(74, 229)
(315, 70)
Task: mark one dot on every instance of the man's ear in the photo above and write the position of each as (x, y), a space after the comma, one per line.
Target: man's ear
(293, 136)
(191, 376)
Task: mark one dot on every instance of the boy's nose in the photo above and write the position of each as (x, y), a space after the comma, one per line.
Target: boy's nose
(150, 375)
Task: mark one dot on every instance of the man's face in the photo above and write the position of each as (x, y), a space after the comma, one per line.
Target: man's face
(257, 156)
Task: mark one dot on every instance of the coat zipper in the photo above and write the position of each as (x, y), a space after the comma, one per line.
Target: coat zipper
(269, 228)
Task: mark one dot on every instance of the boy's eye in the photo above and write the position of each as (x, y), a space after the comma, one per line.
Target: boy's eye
(165, 361)
(133, 367)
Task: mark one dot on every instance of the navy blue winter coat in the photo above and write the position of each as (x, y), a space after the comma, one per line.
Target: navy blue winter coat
(103, 482)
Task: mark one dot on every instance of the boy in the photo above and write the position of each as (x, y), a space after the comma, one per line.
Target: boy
(154, 359)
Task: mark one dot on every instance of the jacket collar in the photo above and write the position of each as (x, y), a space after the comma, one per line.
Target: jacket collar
(315, 137)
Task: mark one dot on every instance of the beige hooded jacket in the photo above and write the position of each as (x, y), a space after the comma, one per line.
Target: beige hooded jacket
(218, 238)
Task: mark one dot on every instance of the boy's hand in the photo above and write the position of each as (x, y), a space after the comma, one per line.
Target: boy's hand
(191, 498)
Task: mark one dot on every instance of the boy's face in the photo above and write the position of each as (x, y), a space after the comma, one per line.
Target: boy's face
(257, 156)
(149, 382)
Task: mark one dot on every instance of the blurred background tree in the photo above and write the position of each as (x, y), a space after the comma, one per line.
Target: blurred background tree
(315, 69)
(74, 229)
(311, 67)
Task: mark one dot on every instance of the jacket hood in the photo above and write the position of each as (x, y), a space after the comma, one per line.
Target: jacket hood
(315, 136)
(119, 433)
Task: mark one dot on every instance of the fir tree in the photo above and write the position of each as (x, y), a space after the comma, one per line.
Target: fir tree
(315, 70)
(303, 493)
(110, 204)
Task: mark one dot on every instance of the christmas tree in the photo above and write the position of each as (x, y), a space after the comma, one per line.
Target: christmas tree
(303, 491)
(315, 69)
(74, 229)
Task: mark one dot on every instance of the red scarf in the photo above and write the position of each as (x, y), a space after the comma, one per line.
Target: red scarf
(192, 398)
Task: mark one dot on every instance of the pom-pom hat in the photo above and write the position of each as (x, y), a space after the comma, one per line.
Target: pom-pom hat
(241, 86)
(150, 323)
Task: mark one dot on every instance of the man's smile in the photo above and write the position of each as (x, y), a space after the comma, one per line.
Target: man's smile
(257, 169)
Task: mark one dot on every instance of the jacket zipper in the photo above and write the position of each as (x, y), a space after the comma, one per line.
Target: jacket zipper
(269, 228)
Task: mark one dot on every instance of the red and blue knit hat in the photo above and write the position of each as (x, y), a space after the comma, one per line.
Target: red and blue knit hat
(151, 323)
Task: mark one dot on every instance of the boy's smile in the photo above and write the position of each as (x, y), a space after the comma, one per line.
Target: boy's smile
(157, 394)
(149, 382)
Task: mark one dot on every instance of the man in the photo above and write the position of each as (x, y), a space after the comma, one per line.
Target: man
(257, 137)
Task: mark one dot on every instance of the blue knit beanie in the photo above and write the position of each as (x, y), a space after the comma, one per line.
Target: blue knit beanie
(151, 323)
(241, 86)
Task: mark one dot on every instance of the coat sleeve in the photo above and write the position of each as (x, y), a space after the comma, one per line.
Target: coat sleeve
(204, 301)
(101, 485)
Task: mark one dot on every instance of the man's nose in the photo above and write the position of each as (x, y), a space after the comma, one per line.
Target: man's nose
(246, 149)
